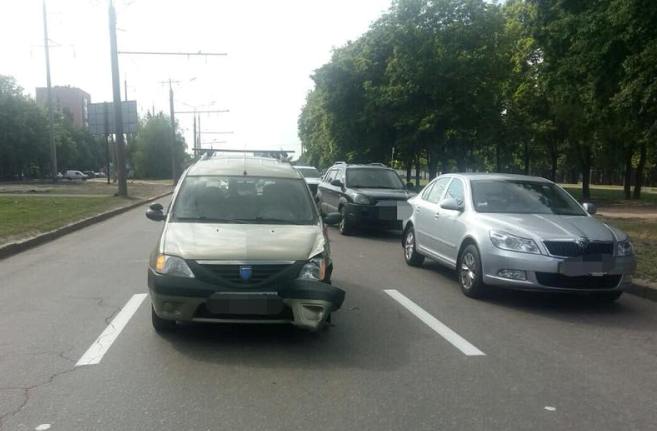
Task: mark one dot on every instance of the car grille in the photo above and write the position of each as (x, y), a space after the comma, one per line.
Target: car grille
(583, 282)
(572, 249)
(259, 273)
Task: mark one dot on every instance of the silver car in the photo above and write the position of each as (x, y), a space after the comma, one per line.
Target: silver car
(519, 232)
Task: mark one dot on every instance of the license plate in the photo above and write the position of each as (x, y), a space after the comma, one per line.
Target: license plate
(597, 266)
(259, 306)
(404, 211)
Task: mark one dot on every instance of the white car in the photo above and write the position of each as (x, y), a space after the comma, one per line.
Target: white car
(312, 177)
(74, 175)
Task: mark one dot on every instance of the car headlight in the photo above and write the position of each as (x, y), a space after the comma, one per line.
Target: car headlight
(315, 269)
(624, 248)
(507, 241)
(361, 200)
(172, 265)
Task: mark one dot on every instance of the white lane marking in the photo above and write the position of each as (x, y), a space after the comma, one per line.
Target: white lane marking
(443, 330)
(550, 408)
(42, 427)
(95, 353)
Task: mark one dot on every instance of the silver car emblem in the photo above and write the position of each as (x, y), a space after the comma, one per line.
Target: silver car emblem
(583, 243)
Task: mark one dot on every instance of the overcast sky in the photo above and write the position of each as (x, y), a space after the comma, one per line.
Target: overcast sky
(273, 48)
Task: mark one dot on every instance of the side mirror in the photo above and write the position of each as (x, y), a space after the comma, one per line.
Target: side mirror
(155, 212)
(332, 218)
(337, 183)
(451, 204)
(590, 208)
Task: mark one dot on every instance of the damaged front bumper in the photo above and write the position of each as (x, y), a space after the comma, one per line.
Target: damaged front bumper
(303, 303)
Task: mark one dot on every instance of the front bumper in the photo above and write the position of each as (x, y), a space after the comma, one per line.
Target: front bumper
(383, 216)
(547, 273)
(303, 303)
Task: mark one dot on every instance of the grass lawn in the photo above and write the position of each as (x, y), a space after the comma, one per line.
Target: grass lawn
(643, 233)
(613, 196)
(136, 188)
(24, 216)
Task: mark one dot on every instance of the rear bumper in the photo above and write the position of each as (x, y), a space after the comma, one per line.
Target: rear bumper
(303, 303)
(373, 215)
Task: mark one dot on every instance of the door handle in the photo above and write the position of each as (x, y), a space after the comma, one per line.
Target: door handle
(436, 216)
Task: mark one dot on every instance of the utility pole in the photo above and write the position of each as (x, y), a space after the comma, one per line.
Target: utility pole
(173, 136)
(107, 145)
(51, 127)
(195, 136)
(118, 117)
(125, 89)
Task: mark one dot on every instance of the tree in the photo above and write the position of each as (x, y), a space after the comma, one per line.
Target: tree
(150, 152)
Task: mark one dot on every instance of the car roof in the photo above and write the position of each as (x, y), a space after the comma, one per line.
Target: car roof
(361, 165)
(496, 176)
(304, 167)
(244, 165)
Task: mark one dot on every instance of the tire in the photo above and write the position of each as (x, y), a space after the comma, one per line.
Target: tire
(607, 296)
(469, 272)
(162, 325)
(411, 256)
(346, 225)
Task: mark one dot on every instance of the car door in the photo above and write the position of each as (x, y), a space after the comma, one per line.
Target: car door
(450, 225)
(326, 191)
(425, 213)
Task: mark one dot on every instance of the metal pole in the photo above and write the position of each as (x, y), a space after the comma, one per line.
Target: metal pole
(125, 89)
(195, 141)
(107, 148)
(173, 136)
(51, 127)
(118, 117)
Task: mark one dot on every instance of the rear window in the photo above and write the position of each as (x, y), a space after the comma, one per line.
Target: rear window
(373, 178)
(309, 172)
(238, 199)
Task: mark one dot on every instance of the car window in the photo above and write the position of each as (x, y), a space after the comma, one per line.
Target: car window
(455, 191)
(427, 190)
(522, 197)
(373, 178)
(340, 175)
(309, 172)
(237, 199)
(437, 191)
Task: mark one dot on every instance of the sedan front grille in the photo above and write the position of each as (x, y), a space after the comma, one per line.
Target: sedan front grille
(584, 282)
(573, 249)
(259, 273)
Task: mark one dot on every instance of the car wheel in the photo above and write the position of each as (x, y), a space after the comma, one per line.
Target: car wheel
(469, 272)
(411, 256)
(346, 224)
(162, 325)
(607, 296)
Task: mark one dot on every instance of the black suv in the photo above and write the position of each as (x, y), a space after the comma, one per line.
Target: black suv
(370, 195)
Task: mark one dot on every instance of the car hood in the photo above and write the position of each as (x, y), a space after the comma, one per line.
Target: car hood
(550, 226)
(399, 194)
(212, 241)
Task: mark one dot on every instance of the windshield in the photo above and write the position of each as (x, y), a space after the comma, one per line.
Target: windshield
(309, 172)
(228, 199)
(522, 197)
(370, 178)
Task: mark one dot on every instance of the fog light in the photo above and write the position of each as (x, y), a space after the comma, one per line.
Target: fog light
(512, 274)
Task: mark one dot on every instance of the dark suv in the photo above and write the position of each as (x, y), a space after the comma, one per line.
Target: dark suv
(370, 195)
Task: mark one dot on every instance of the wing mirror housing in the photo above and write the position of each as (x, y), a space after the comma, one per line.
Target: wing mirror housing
(451, 204)
(337, 183)
(332, 218)
(155, 212)
(590, 208)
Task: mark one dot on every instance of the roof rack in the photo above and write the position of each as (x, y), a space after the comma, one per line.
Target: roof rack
(340, 162)
(282, 155)
(378, 164)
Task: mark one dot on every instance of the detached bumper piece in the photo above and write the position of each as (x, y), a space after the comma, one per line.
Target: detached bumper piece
(303, 303)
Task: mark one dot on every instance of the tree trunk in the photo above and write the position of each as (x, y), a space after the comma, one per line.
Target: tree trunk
(498, 155)
(408, 170)
(432, 163)
(526, 157)
(638, 179)
(627, 180)
(417, 172)
(553, 165)
(586, 174)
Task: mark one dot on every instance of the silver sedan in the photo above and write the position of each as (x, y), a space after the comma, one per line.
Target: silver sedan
(519, 232)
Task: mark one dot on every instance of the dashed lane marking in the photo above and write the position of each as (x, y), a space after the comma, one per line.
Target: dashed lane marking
(95, 353)
(443, 330)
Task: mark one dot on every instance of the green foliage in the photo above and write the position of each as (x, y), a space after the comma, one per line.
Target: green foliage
(150, 152)
(563, 89)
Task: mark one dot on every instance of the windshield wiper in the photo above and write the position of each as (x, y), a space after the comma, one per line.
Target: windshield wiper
(264, 220)
(209, 219)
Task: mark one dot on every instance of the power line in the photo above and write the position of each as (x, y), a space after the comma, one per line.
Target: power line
(218, 133)
(186, 54)
(216, 111)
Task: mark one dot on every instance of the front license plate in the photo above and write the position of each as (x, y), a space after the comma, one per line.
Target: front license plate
(404, 211)
(586, 266)
(260, 306)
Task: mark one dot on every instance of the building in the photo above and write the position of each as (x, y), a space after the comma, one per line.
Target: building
(67, 99)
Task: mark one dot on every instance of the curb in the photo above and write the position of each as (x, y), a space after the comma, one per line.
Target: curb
(13, 248)
(643, 289)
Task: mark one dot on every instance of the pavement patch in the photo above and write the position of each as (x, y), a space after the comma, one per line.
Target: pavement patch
(443, 330)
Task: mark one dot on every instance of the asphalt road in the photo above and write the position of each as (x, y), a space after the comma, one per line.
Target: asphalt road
(548, 363)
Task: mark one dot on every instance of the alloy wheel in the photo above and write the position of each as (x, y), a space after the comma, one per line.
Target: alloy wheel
(468, 270)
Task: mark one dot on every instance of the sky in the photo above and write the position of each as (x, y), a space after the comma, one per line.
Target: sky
(272, 49)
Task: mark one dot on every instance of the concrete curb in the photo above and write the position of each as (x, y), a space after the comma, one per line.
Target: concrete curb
(13, 248)
(644, 289)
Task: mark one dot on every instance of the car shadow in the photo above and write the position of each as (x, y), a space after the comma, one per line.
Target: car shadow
(384, 235)
(360, 337)
(627, 313)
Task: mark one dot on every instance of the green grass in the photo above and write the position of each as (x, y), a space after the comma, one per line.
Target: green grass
(643, 233)
(21, 217)
(613, 196)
